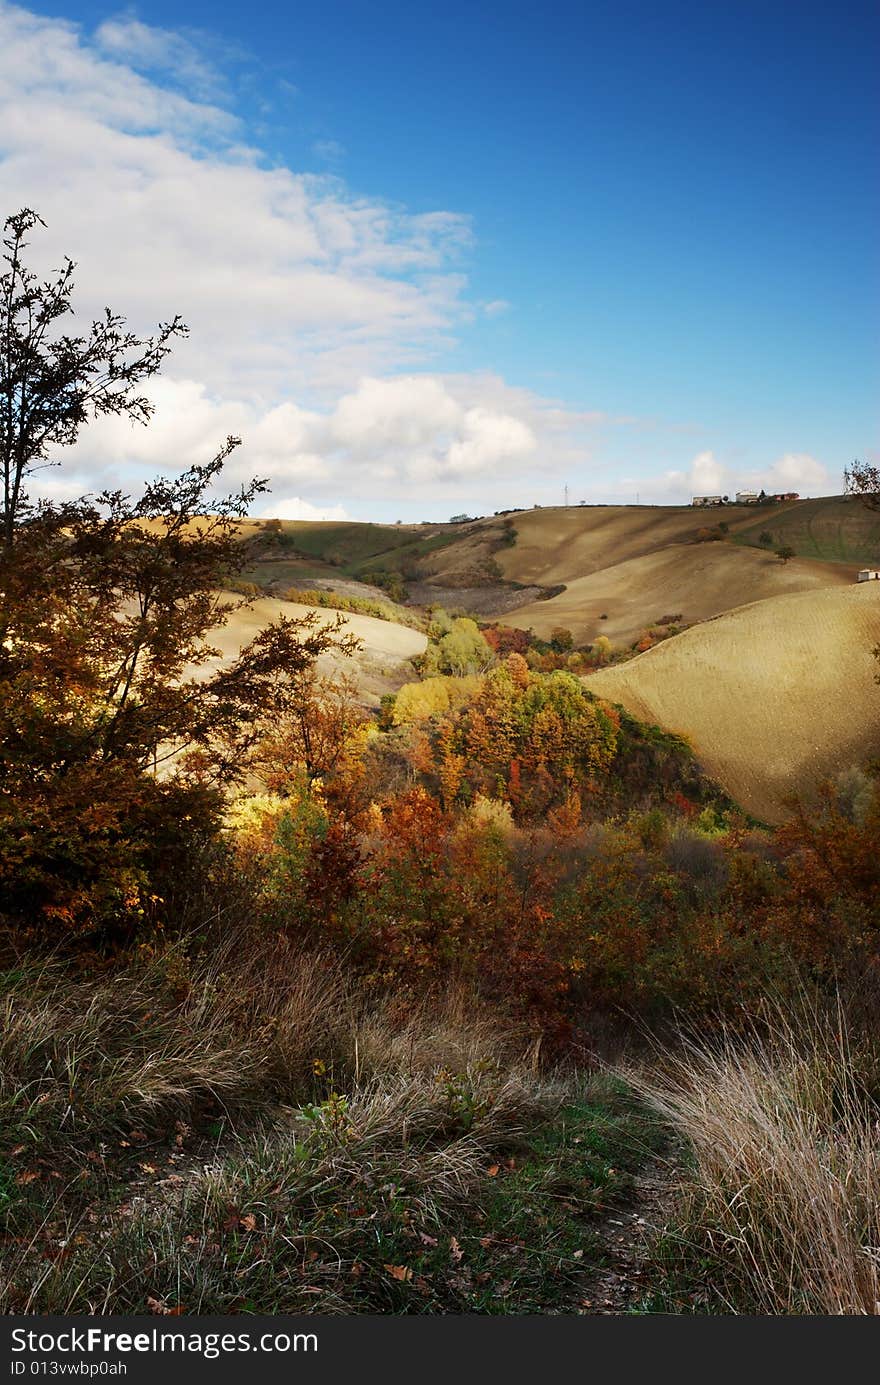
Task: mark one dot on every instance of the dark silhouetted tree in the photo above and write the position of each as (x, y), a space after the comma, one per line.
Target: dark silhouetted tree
(118, 728)
(51, 382)
(863, 481)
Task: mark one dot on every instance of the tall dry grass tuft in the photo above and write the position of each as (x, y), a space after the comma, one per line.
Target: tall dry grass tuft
(84, 1054)
(783, 1195)
(337, 1103)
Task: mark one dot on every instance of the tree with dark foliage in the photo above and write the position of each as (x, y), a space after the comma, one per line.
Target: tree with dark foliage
(119, 730)
(51, 383)
(863, 481)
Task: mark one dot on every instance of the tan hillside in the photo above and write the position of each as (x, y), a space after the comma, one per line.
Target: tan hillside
(694, 581)
(561, 545)
(377, 668)
(773, 696)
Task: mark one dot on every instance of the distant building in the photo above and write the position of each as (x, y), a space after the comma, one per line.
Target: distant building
(784, 495)
(747, 497)
(708, 500)
(869, 574)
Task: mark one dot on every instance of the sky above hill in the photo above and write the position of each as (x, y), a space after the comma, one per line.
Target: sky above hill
(455, 258)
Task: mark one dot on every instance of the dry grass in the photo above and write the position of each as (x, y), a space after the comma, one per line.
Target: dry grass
(560, 545)
(184, 1127)
(783, 1197)
(774, 697)
(281, 1217)
(237, 1026)
(155, 1037)
(633, 563)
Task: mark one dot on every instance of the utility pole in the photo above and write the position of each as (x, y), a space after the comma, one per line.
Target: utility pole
(566, 497)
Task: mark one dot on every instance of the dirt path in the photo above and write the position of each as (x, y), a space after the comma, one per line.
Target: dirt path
(629, 1234)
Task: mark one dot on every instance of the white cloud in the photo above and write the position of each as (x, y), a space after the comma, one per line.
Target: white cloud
(295, 508)
(385, 435)
(315, 313)
(389, 417)
(188, 423)
(797, 471)
(488, 440)
(287, 280)
(146, 47)
(707, 474)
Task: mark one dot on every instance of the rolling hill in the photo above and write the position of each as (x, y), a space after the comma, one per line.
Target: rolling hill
(833, 528)
(636, 564)
(693, 581)
(774, 696)
(772, 683)
(559, 545)
(379, 667)
(631, 564)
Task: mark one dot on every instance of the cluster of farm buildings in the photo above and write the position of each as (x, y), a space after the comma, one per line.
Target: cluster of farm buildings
(744, 498)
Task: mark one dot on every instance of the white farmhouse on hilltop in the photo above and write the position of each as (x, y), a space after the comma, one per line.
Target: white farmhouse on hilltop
(869, 574)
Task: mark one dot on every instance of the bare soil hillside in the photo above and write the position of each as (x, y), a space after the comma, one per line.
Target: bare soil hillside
(561, 545)
(380, 666)
(694, 581)
(774, 696)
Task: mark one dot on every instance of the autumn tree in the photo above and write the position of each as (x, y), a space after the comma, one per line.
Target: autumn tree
(52, 382)
(319, 737)
(862, 480)
(561, 639)
(117, 726)
(119, 730)
(456, 646)
(529, 738)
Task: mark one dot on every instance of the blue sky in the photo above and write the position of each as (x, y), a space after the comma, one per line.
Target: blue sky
(630, 247)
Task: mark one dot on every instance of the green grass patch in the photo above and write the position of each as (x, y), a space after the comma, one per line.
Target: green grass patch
(465, 1193)
(831, 529)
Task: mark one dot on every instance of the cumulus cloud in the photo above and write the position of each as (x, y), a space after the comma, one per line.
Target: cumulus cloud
(288, 280)
(295, 508)
(386, 436)
(489, 439)
(710, 475)
(318, 316)
(797, 471)
(391, 418)
(707, 474)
